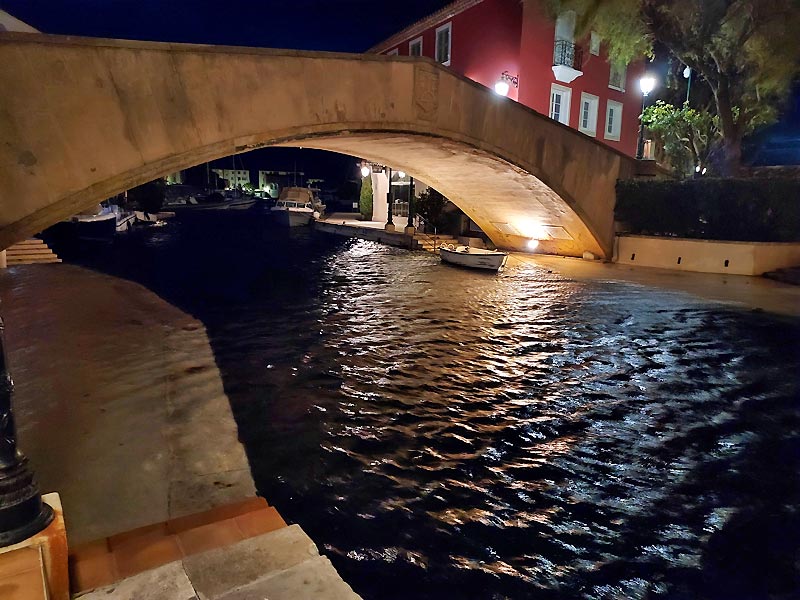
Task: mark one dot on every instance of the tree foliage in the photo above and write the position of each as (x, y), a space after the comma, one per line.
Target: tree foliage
(149, 197)
(430, 206)
(686, 135)
(746, 50)
(365, 198)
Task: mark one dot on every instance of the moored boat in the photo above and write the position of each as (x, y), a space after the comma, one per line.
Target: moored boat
(473, 258)
(296, 207)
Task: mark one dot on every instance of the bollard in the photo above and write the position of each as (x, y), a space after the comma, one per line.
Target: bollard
(22, 512)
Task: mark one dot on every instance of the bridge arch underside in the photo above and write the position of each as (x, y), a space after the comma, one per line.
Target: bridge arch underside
(511, 205)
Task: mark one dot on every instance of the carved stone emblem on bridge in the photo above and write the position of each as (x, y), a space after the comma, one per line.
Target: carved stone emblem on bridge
(426, 92)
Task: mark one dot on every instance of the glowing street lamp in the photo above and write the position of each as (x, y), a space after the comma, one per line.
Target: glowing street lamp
(687, 74)
(647, 84)
(365, 171)
(501, 88)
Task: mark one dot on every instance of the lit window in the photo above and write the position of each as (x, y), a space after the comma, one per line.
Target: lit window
(613, 120)
(394, 52)
(415, 47)
(594, 44)
(588, 118)
(559, 103)
(616, 79)
(444, 43)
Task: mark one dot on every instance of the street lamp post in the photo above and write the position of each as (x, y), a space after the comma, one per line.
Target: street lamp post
(389, 201)
(647, 84)
(410, 224)
(687, 74)
(22, 512)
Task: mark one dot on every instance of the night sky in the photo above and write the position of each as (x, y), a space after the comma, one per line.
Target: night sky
(335, 25)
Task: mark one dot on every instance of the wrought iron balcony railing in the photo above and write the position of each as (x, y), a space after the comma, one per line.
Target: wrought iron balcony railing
(568, 54)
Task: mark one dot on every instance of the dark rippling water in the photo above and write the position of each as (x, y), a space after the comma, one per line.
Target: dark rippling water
(448, 434)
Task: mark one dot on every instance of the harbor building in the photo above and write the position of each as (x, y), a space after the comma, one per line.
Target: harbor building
(516, 49)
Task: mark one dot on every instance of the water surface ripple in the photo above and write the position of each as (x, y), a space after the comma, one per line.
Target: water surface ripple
(448, 434)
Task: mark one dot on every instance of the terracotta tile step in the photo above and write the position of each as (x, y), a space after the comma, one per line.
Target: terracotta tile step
(103, 562)
(21, 575)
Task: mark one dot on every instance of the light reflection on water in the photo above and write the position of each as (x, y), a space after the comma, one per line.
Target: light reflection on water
(453, 434)
(449, 434)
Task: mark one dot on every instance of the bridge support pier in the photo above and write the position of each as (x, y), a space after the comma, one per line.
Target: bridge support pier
(22, 512)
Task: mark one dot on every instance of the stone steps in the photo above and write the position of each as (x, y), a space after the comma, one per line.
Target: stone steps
(431, 243)
(243, 551)
(31, 251)
(103, 562)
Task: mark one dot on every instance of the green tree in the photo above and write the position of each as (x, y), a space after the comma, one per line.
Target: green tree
(430, 206)
(365, 199)
(685, 134)
(746, 50)
(149, 196)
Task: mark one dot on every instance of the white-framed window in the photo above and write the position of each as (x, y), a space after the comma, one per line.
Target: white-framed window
(616, 79)
(444, 39)
(594, 43)
(560, 98)
(587, 120)
(415, 47)
(394, 52)
(613, 120)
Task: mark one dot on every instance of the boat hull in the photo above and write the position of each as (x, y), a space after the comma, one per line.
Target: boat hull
(99, 227)
(473, 258)
(290, 218)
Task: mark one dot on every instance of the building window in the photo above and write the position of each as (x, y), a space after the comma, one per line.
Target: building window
(617, 78)
(565, 26)
(613, 120)
(594, 44)
(394, 52)
(559, 103)
(415, 47)
(444, 43)
(588, 117)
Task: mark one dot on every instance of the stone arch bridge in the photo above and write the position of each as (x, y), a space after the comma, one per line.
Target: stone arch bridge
(83, 119)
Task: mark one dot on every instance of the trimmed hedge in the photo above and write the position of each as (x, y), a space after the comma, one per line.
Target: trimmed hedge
(747, 210)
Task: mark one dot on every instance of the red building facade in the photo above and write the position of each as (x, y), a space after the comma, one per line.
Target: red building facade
(539, 62)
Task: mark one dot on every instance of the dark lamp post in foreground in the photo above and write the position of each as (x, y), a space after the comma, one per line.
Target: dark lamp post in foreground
(647, 84)
(22, 512)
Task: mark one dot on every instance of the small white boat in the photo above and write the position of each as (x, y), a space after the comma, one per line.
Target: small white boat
(474, 258)
(125, 221)
(295, 207)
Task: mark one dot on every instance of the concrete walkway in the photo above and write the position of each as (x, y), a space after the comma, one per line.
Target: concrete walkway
(119, 403)
(737, 290)
(121, 409)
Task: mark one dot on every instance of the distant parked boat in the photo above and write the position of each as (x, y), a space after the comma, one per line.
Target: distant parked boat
(98, 224)
(296, 207)
(474, 258)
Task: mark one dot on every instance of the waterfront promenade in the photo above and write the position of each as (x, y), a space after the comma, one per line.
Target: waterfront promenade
(121, 410)
(119, 404)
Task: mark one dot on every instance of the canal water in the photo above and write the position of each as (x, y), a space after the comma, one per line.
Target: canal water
(448, 434)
